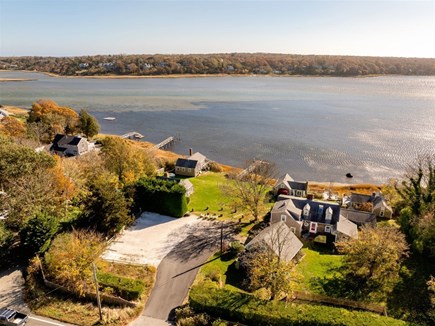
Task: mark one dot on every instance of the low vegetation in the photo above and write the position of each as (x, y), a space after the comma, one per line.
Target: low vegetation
(250, 310)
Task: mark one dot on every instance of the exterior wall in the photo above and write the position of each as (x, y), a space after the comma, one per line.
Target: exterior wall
(185, 171)
(387, 212)
(289, 221)
(321, 227)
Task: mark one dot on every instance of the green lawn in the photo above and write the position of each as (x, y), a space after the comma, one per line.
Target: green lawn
(221, 269)
(316, 267)
(207, 193)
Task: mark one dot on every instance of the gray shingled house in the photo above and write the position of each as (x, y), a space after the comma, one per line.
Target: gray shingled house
(308, 218)
(287, 186)
(64, 145)
(278, 238)
(191, 166)
(374, 203)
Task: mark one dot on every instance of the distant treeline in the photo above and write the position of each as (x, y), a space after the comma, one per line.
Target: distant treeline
(233, 63)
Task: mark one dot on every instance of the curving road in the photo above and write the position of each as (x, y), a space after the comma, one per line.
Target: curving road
(177, 272)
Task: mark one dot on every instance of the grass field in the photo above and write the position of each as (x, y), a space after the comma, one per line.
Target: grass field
(316, 267)
(221, 269)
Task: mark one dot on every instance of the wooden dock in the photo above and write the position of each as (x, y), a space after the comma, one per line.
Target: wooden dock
(134, 135)
(255, 164)
(168, 142)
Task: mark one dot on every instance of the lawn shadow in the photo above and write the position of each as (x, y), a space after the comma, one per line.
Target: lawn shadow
(410, 298)
(234, 276)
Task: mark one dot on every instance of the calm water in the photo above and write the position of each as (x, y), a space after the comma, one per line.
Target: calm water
(314, 128)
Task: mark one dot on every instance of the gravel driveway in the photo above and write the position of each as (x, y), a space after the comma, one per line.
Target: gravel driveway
(151, 238)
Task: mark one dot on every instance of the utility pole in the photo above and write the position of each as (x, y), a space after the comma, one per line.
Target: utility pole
(222, 236)
(98, 292)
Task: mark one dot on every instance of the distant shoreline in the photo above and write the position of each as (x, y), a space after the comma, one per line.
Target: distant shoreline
(189, 75)
(3, 80)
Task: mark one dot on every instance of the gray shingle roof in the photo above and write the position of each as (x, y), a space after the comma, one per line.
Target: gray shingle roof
(186, 163)
(347, 228)
(292, 184)
(280, 239)
(359, 217)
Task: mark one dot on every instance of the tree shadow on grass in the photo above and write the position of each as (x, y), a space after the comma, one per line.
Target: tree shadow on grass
(234, 276)
(410, 297)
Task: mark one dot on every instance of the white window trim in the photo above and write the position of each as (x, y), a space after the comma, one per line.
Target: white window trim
(284, 218)
(328, 229)
(293, 229)
(313, 227)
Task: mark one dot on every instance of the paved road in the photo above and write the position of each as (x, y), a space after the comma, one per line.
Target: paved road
(176, 273)
(11, 285)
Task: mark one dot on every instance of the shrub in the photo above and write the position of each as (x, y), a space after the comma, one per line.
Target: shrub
(249, 310)
(160, 196)
(236, 247)
(126, 288)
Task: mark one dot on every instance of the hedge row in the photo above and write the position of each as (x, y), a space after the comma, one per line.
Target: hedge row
(161, 196)
(249, 310)
(126, 288)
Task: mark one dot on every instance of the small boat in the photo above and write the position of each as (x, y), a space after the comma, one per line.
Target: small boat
(109, 118)
(349, 175)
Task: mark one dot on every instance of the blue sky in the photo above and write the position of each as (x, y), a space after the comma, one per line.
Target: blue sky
(79, 27)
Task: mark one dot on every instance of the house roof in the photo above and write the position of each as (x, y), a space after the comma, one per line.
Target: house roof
(186, 183)
(359, 217)
(292, 184)
(360, 198)
(186, 163)
(347, 228)
(280, 239)
(197, 157)
(382, 203)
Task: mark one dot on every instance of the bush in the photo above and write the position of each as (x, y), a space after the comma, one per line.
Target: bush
(236, 247)
(37, 233)
(160, 196)
(249, 310)
(126, 288)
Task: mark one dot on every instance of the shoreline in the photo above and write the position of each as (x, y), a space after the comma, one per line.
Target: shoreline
(175, 76)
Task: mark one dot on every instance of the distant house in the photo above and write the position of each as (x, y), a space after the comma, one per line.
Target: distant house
(3, 113)
(360, 218)
(307, 218)
(65, 145)
(374, 203)
(191, 166)
(287, 186)
(278, 238)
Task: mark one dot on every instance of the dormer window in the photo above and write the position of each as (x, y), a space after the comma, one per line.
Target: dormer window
(328, 215)
(320, 212)
(306, 211)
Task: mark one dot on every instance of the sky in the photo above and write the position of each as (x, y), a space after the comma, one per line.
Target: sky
(88, 27)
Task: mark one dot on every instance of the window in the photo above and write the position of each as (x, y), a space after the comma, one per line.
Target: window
(189, 170)
(293, 229)
(299, 193)
(306, 223)
(183, 169)
(284, 218)
(313, 227)
(382, 212)
(307, 209)
(328, 229)
(328, 215)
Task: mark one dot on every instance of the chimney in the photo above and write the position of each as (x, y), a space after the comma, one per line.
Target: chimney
(190, 152)
(310, 196)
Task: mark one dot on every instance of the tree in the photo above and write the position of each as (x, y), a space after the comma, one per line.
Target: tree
(105, 208)
(68, 261)
(248, 189)
(88, 124)
(37, 233)
(12, 127)
(124, 160)
(52, 119)
(372, 262)
(266, 266)
(417, 194)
